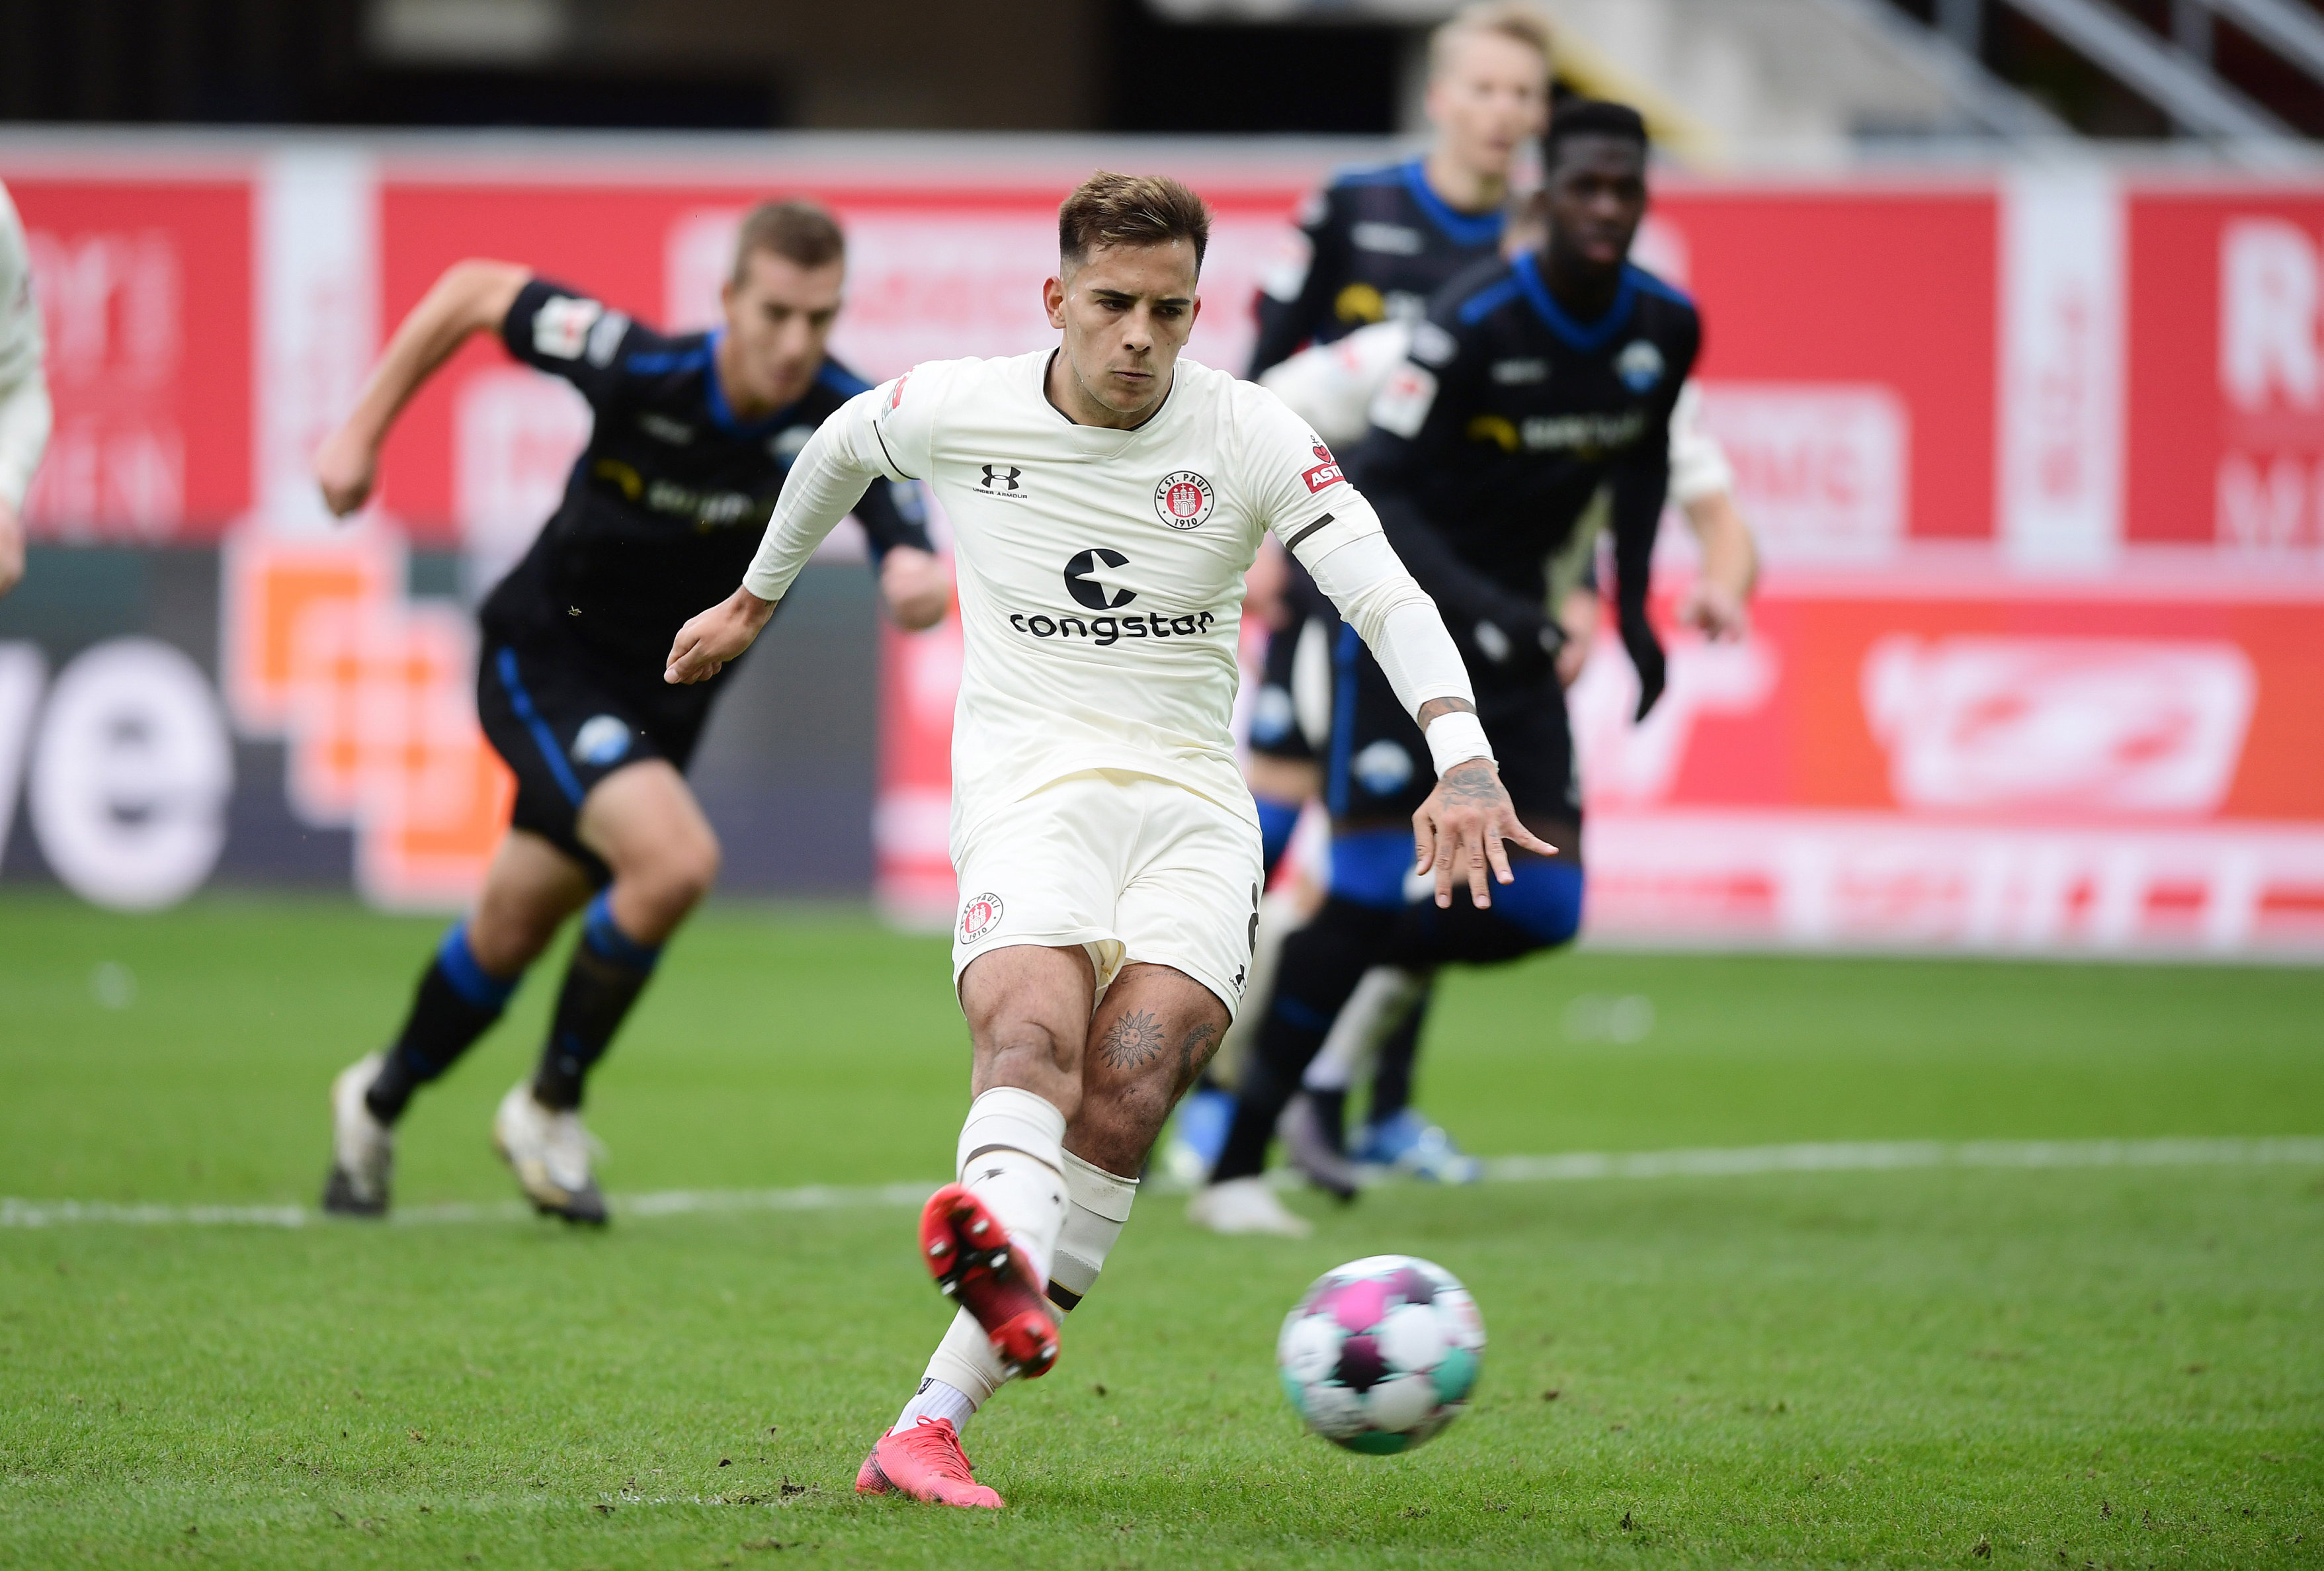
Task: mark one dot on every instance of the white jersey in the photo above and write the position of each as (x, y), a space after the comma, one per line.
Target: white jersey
(1333, 385)
(1101, 571)
(23, 393)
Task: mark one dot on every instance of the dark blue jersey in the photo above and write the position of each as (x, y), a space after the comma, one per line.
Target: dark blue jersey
(1491, 440)
(1380, 244)
(666, 505)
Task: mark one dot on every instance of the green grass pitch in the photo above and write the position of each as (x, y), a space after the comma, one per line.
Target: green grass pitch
(2104, 1367)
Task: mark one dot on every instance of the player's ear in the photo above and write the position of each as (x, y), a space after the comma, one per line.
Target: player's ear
(1053, 299)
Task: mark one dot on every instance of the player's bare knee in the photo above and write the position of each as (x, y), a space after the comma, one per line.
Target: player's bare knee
(1030, 1056)
(672, 879)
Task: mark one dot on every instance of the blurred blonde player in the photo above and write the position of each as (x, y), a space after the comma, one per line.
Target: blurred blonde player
(24, 415)
(1107, 498)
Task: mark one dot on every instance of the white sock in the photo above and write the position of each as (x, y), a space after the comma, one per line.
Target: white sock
(1012, 1157)
(1100, 1204)
(938, 1399)
(1381, 1002)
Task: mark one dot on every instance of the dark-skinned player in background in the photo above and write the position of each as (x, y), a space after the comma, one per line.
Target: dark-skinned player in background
(692, 438)
(1376, 245)
(1532, 383)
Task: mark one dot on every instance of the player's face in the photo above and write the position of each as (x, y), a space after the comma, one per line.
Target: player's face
(1492, 97)
(1595, 194)
(779, 317)
(1126, 311)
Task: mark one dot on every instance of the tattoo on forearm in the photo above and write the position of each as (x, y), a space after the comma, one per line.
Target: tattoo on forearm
(1195, 1049)
(1132, 1042)
(1435, 706)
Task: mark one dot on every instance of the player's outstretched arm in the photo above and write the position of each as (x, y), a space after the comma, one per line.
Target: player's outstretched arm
(1719, 602)
(915, 587)
(470, 297)
(1465, 826)
(714, 637)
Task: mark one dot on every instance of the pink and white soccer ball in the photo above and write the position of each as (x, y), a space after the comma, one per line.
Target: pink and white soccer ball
(1382, 1353)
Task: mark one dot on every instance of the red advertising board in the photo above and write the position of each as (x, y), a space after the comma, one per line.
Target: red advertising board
(145, 287)
(2037, 458)
(2227, 371)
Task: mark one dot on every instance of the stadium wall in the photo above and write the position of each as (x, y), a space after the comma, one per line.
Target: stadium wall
(2037, 456)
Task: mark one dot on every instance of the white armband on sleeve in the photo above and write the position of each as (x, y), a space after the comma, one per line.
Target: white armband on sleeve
(825, 481)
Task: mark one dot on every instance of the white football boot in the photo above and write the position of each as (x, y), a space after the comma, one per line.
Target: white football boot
(549, 1150)
(362, 1149)
(1245, 1205)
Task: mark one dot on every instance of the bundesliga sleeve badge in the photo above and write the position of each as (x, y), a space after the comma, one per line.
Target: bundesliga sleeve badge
(1184, 500)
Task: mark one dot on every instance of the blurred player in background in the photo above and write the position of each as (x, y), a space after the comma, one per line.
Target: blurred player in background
(24, 414)
(1532, 383)
(692, 441)
(1373, 247)
(1107, 497)
(1334, 385)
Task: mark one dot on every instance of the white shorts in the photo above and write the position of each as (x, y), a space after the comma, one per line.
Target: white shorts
(1136, 870)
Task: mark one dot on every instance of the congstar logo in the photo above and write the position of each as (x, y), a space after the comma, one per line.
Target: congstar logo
(1091, 580)
(1096, 579)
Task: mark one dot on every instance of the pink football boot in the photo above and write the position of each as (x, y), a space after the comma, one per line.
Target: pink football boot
(926, 1461)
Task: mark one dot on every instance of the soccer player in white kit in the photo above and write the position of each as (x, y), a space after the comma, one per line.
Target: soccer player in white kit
(1106, 498)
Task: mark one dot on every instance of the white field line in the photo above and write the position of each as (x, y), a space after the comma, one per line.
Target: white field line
(1572, 1167)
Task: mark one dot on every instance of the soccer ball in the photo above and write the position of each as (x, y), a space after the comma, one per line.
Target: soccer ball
(1381, 1353)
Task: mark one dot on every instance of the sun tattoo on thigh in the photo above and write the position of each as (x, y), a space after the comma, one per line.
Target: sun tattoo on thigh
(1132, 1042)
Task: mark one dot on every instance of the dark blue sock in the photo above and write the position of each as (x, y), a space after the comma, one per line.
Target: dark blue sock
(608, 971)
(457, 1002)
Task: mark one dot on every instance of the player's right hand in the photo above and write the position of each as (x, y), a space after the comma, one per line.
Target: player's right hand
(345, 466)
(711, 639)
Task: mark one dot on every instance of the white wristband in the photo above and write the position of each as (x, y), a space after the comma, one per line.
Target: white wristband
(1456, 737)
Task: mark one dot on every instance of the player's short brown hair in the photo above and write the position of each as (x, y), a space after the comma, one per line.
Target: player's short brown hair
(1131, 210)
(1511, 19)
(796, 229)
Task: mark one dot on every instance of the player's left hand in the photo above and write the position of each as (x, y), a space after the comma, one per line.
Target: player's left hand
(1714, 610)
(915, 587)
(709, 640)
(1460, 827)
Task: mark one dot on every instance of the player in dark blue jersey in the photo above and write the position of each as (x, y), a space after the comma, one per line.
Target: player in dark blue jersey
(691, 440)
(1532, 383)
(1376, 245)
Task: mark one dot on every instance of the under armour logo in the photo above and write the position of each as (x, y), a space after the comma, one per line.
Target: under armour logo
(1091, 581)
(1001, 479)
